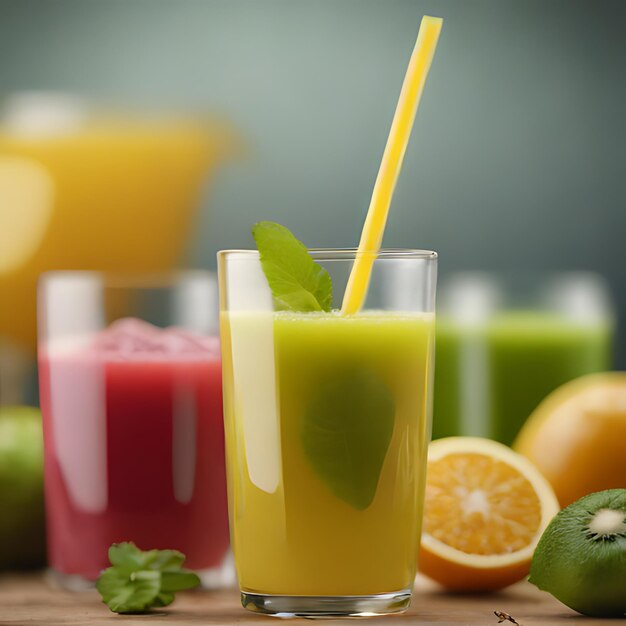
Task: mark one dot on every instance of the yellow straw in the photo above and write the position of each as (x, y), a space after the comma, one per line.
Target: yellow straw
(374, 227)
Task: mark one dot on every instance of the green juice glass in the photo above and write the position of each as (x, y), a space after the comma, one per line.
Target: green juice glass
(327, 425)
(504, 343)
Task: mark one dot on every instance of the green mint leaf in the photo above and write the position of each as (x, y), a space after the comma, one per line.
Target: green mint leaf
(140, 580)
(126, 554)
(297, 282)
(167, 559)
(163, 599)
(129, 594)
(179, 580)
(346, 432)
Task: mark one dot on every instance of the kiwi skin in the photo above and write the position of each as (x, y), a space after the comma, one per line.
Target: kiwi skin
(583, 571)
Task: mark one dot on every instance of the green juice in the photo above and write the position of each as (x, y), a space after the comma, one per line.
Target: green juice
(490, 378)
(327, 427)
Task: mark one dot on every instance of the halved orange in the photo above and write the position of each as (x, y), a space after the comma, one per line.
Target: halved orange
(486, 508)
(577, 436)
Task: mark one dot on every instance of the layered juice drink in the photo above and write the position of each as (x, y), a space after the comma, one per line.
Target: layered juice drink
(327, 423)
(333, 507)
(133, 446)
(327, 369)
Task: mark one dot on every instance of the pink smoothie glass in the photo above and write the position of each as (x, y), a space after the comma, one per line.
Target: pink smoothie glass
(131, 394)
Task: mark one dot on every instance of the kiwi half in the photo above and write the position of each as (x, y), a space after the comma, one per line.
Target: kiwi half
(581, 557)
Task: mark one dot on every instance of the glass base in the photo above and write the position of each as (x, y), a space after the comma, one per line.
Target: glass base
(221, 577)
(68, 582)
(327, 606)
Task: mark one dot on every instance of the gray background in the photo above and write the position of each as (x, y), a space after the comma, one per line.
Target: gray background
(518, 155)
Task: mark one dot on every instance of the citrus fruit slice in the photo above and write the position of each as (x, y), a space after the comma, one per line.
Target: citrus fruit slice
(577, 436)
(485, 510)
(581, 557)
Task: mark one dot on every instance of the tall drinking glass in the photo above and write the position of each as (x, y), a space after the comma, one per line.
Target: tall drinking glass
(327, 426)
(505, 342)
(131, 392)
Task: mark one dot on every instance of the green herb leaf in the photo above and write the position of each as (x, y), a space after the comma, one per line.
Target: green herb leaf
(163, 599)
(140, 580)
(346, 433)
(167, 559)
(134, 593)
(127, 555)
(297, 282)
(178, 580)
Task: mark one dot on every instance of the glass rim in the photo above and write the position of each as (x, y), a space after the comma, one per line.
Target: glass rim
(342, 254)
(131, 279)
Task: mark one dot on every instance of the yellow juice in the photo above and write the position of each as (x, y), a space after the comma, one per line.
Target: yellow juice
(112, 194)
(327, 426)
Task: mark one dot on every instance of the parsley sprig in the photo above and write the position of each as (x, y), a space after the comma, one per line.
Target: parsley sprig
(138, 581)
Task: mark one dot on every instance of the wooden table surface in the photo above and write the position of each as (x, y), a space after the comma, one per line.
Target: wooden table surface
(29, 600)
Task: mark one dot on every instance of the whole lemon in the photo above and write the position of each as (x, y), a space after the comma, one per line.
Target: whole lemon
(577, 436)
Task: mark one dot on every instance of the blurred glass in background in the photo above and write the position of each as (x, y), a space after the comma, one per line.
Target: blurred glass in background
(505, 342)
(131, 394)
(84, 187)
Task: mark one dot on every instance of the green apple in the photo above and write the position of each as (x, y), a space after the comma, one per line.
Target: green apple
(22, 527)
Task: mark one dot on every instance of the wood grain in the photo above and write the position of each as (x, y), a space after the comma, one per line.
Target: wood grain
(30, 600)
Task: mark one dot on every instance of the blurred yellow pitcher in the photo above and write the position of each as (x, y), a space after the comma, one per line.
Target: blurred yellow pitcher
(86, 190)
